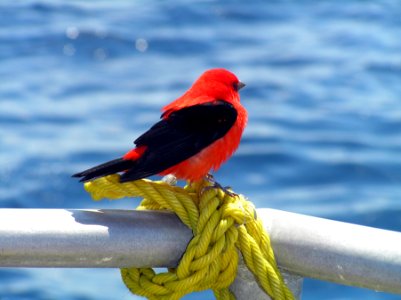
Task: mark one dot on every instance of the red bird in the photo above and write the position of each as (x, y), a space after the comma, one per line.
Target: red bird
(197, 132)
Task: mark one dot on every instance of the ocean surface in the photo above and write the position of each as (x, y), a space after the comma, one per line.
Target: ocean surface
(79, 81)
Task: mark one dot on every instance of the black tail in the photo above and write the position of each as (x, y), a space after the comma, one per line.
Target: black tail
(111, 167)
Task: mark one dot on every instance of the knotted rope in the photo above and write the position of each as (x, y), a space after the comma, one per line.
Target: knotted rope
(220, 223)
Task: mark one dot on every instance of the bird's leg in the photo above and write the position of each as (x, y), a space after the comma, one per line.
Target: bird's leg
(209, 178)
(215, 185)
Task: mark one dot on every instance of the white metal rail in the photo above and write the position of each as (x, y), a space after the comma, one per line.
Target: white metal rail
(305, 246)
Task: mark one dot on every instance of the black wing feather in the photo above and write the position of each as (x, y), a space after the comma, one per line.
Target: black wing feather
(110, 167)
(183, 134)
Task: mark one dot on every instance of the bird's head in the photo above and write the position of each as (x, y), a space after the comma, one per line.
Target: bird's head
(219, 84)
(214, 84)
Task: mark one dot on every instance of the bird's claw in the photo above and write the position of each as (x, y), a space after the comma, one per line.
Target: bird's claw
(215, 185)
(229, 192)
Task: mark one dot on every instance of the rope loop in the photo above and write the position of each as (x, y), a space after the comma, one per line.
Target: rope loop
(222, 224)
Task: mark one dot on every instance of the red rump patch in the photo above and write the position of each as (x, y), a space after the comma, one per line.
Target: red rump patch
(134, 154)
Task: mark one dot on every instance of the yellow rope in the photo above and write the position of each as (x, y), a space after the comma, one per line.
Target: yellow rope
(220, 223)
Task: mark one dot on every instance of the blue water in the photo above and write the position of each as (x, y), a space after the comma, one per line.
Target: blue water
(80, 80)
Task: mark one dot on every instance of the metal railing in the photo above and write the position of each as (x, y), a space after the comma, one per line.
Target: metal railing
(304, 246)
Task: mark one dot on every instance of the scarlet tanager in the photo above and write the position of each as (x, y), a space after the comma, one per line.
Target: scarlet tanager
(197, 132)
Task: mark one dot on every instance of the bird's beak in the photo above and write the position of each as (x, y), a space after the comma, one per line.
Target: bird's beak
(241, 85)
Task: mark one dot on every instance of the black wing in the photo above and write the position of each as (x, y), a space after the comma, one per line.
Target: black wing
(183, 134)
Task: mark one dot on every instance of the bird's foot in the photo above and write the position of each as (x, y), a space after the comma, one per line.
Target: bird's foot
(210, 178)
(215, 185)
(211, 183)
